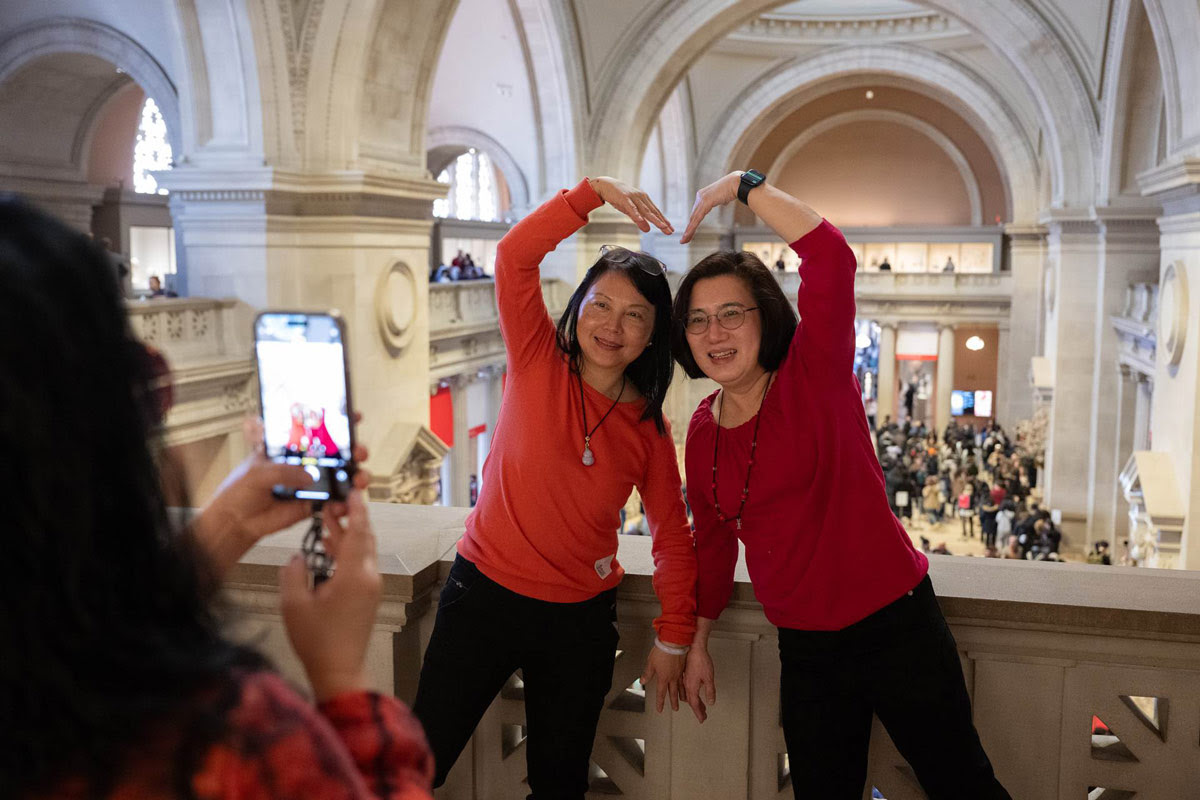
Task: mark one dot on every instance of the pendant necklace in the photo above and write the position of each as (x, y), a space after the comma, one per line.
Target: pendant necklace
(749, 467)
(588, 457)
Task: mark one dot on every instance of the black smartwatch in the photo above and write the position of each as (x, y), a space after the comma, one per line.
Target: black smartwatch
(750, 179)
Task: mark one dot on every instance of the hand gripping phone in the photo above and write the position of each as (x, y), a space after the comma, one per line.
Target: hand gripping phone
(304, 394)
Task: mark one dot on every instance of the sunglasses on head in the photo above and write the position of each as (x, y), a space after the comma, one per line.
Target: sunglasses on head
(623, 256)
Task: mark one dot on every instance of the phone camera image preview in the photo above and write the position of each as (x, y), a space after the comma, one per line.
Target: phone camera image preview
(301, 362)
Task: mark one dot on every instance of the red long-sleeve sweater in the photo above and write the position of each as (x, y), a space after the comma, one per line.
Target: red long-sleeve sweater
(822, 546)
(546, 525)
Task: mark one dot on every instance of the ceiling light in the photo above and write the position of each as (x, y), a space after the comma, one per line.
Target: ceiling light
(870, 94)
(974, 343)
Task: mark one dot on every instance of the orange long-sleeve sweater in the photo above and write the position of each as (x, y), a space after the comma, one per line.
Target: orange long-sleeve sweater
(546, 525)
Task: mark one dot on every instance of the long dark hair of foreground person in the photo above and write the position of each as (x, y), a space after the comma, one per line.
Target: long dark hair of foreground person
(107, 639)
(650, 372)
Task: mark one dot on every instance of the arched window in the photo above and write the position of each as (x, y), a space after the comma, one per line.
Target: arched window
(152, 150)
(471, 179)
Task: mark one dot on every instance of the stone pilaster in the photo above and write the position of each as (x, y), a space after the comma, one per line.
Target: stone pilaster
(460, 453)
(1125, 402)
(945, 376)
(1127, 253)
(1073, 251)
(1026, 259)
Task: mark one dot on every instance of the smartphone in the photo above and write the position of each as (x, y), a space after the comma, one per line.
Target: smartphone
(304, 394)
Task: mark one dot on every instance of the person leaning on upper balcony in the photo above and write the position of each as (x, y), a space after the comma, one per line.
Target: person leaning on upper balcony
(115, 678)
(781, 458)
(534, 584)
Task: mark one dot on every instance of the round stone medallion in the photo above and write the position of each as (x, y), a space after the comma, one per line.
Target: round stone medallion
(396, 305)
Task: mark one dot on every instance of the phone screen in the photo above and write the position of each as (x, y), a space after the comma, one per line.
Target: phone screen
(305, 399)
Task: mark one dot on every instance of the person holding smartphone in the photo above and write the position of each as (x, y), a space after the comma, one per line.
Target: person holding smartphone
(780, 457)
(533, 586)
(115, 678)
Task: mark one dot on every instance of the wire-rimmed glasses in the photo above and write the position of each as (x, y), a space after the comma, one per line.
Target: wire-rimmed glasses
(730, 318)
(623, 256)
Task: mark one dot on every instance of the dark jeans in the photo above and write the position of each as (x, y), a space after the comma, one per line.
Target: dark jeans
(900, 663)
(565, 651)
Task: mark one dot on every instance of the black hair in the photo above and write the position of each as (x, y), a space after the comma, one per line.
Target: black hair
(650, 372)
(107, 632)
(779, 319)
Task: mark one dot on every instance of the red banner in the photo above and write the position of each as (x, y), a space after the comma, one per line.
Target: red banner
(441, 415)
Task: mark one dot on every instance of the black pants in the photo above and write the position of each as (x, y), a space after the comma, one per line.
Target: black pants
(900, 663)
(565, 651)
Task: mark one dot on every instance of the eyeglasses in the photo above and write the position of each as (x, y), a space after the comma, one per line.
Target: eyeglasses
(623, 257)
(730, 319)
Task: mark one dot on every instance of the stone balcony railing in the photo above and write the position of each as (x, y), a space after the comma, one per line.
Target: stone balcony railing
(1045, 648)
(208, 345)
(464, 324)
(926, 296)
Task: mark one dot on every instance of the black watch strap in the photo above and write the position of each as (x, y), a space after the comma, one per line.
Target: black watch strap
(750, 179)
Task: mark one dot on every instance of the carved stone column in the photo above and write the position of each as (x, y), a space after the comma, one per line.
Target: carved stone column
(945, 376)
(1026, 258)
(1126, 416)
(886, 388)
(1127, 253)
(460, 453)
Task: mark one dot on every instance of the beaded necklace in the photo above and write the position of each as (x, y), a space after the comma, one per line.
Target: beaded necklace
(749, 467)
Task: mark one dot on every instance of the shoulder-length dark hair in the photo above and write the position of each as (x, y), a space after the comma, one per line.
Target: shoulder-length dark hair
(650, 372)
(107, 634)
(778, 317)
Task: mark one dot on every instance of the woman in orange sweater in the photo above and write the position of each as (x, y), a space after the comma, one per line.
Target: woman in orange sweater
(534, 584)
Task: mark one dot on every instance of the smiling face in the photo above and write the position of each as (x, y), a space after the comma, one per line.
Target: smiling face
(729, 357)
(615, 322)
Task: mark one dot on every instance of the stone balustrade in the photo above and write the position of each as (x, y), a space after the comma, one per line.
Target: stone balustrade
(457, 308)
(208, 345)
(919, 285)
(464, 324)
(1045, 648)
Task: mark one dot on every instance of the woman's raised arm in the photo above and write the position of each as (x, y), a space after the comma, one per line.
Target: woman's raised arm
(787, 216)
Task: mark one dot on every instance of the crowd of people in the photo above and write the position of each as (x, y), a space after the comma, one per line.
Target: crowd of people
(461, 268)
(970, 475)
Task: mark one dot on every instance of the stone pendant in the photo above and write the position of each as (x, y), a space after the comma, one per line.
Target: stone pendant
(588, 458)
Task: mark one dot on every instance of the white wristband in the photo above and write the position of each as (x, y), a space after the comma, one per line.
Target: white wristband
(670, 649)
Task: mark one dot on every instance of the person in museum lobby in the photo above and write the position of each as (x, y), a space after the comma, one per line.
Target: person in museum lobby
(533, 586)
(115, 678)
(780, 456)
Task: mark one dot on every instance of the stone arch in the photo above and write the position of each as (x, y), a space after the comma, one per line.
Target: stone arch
(1176, 32)
(552, 54)
(220, 93)
(393, 57)
(1123, 125)
(447, 143)
(884, 115)
(72, 35)
(797, 82)
(658, 55)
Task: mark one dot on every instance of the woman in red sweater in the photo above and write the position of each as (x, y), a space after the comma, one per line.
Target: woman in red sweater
(534, 584)
(116, 680)
(781, 458)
